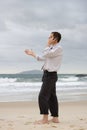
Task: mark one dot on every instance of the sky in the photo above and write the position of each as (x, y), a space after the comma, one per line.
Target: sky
(27, 24)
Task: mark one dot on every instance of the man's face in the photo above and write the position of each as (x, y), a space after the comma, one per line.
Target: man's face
(51, 39)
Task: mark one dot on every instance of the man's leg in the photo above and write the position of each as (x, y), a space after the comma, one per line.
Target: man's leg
(43, 99)
(54, 106)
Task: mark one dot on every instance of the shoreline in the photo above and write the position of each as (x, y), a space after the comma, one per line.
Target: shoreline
(35, 102)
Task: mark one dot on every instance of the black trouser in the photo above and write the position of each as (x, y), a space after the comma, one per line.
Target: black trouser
(47, 96)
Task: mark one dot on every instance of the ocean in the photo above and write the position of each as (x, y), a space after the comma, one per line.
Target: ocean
(26, 87)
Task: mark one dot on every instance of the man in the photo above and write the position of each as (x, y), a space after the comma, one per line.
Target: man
(47, 98)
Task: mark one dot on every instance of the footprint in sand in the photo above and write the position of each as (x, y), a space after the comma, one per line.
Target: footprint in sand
(81, 119)
(2, 119)
(21, 116)
(81, 129)
(54, 126)
(10, 125)
(72, 126)
(28, 123)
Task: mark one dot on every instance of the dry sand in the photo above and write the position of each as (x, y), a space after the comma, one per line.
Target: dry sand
(22, 115)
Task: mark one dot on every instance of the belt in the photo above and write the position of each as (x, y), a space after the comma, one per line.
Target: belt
(46, 71)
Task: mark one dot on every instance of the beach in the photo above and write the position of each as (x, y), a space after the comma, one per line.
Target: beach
(22, 115)
(19, 102)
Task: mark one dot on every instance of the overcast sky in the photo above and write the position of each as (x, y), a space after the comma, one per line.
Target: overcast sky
(27, 24)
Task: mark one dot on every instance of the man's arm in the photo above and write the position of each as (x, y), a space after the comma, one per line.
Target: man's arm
(31, 53)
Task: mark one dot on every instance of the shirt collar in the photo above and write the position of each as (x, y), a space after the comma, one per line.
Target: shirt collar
(56, 45)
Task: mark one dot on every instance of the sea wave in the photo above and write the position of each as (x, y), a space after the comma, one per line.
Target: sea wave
(12, 80)
(22, 88)
(69, 79)
(8, 80)
(38, 84)
(27, 87)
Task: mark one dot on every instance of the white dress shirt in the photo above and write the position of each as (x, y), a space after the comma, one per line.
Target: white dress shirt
(52, 57)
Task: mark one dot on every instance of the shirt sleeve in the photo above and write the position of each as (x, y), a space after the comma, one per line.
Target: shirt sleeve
(40, 58)
(52, 52)
(49, 53)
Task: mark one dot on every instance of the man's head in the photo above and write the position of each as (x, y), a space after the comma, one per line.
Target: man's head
(54, 38)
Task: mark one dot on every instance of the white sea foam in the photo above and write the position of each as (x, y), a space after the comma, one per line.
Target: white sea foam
(7, 80)
(70, 83)
(33, 87)
(24, 88)
(69, 79)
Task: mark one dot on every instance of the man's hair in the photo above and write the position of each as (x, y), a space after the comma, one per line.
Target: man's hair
(57, 36)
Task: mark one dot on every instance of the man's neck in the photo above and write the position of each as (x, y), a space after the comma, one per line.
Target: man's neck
(54, 44)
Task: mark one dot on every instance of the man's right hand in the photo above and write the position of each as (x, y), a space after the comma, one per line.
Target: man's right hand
(30, 52)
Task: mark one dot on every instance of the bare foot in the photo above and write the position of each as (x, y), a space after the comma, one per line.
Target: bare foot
(54, 120)
(41, 122)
